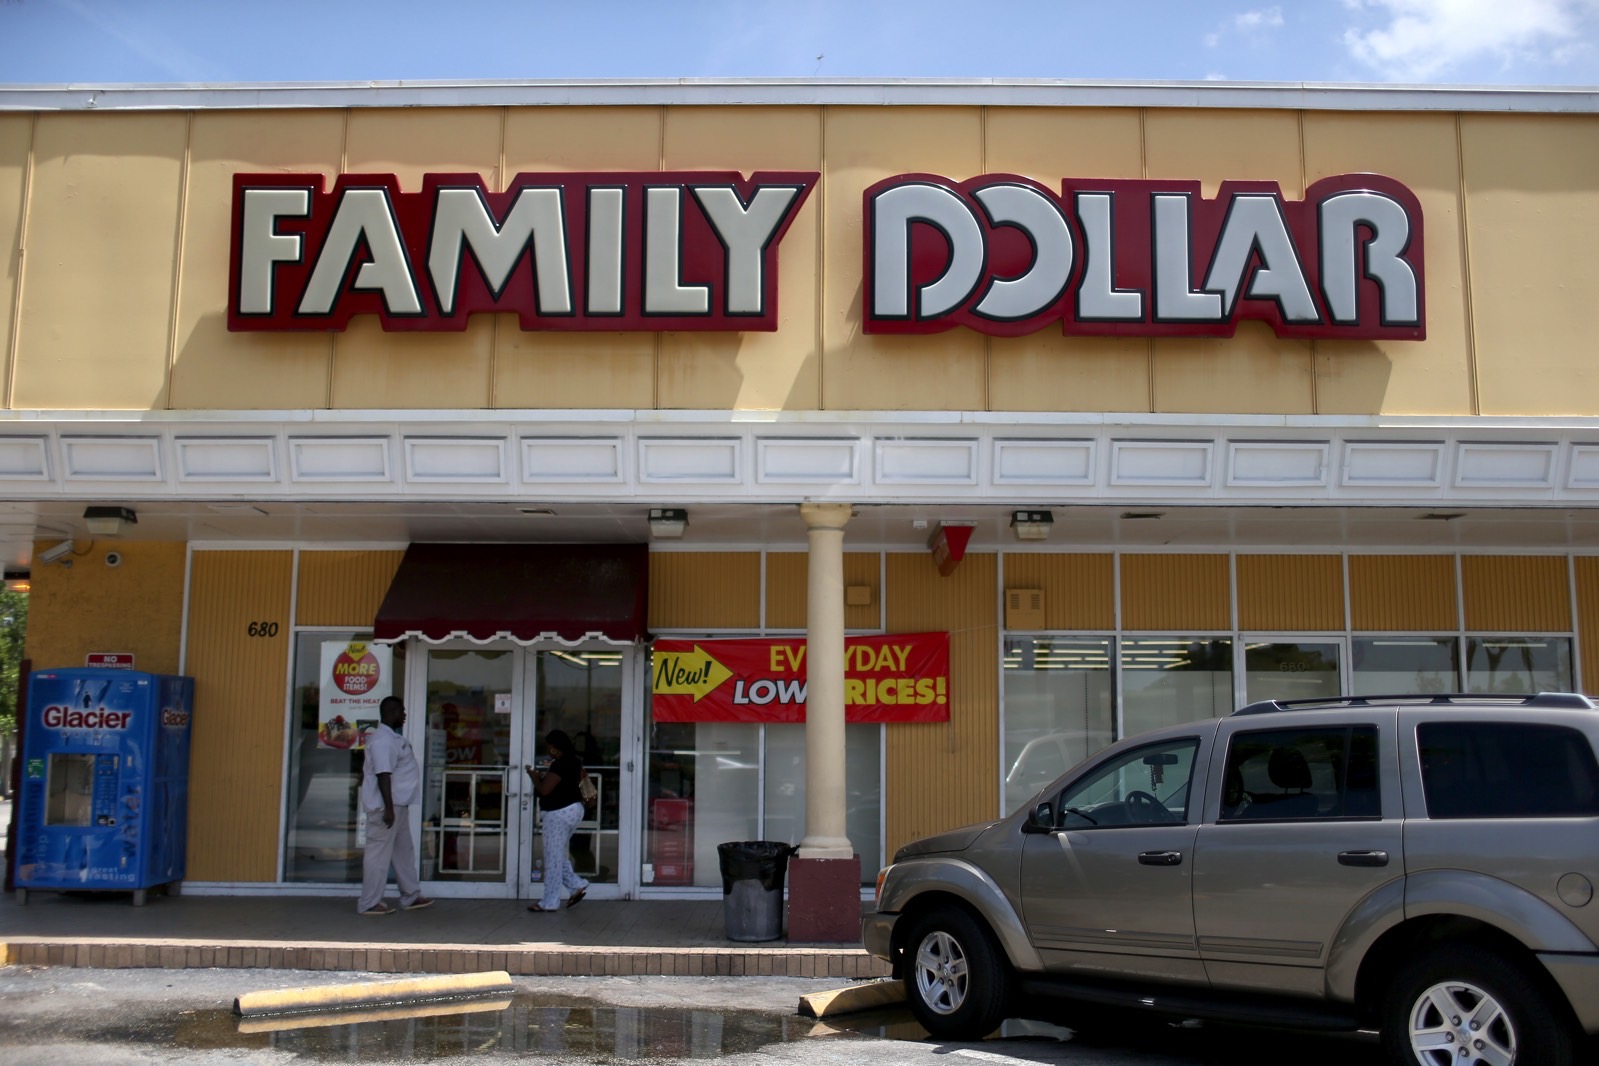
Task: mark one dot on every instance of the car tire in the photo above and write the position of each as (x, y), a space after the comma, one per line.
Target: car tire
(957, 979)
(1428, 1013)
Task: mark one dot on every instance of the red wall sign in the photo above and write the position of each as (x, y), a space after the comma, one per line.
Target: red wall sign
(1005, 255)
(118, 660)
(686, 250)
(898, 678)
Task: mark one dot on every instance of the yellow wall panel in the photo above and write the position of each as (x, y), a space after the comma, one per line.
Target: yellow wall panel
(553, 369)
(1255, 370)
(1079, 589)
(1048, 371)
(16, 137)
(1290, 593)
(705, 590)
(752, 371)
(135, 607)
(1394, 593)
(343, 588)
(1176, 592)
(214, 368)
(1587, 581)
(944, 774)
(788, 590)
(1532, 208)
(236, 759)
(1409, 377)
(1515, 593)
(374, 369)
(96, 322)
(934, 372)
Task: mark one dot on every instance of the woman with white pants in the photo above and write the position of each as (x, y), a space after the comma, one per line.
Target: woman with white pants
(562, 808)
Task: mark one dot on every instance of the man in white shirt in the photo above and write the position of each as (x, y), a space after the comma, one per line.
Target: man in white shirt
(390, 783)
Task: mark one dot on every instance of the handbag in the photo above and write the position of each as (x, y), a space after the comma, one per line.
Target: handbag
(586, 790)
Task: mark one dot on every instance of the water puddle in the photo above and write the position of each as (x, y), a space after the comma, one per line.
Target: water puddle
(534, 1024)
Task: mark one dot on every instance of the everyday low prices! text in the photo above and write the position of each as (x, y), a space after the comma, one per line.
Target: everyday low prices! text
(899, 678)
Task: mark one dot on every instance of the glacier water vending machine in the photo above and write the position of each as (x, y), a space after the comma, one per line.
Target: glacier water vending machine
(104, 802)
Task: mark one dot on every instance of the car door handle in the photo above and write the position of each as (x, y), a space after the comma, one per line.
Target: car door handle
(1160, 858)
(1363, 858)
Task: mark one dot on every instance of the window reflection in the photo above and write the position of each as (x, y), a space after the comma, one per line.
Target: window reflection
(1059, 709)
(1171, 680)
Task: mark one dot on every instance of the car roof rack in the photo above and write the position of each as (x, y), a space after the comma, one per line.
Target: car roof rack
(1568, 700)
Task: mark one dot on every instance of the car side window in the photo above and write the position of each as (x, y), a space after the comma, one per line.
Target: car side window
(1284, 775)
(1146, 786)
(1507, 770)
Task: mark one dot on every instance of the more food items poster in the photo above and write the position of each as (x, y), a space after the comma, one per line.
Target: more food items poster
(899, 678)
(355, 676)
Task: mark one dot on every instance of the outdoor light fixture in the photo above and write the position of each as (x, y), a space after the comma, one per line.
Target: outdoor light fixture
(108, 521)
(50, 555)
(1031, 525)
(18, 581)
(667, 522)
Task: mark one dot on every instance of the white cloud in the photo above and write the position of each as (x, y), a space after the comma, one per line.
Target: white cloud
(1420, 39)
(1253, 26)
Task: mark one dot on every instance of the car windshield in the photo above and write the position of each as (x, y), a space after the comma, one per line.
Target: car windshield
(1145, 786)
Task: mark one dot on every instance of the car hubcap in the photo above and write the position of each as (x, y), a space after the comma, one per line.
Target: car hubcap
(1453, 1022)
(941, 973)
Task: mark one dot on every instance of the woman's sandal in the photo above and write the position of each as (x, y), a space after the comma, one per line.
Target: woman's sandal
(577, 897)
(541, 910)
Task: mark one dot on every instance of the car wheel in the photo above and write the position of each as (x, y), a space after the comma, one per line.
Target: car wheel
(1470, 1007)
(957, 980)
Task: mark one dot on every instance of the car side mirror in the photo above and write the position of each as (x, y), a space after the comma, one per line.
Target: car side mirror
(1041, 819)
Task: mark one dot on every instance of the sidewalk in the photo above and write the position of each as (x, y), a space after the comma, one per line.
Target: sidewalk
(671, 937)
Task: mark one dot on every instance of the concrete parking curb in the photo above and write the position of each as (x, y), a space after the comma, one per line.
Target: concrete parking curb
(373, 993)
(855, 998)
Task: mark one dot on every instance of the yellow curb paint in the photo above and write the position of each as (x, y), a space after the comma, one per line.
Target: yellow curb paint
(853, 998)
(373, 993)
(5, 954)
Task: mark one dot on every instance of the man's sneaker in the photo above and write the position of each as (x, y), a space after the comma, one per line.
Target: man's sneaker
(381, 908)
(419, 903)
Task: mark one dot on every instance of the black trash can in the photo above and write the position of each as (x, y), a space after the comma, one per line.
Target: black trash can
(752, 887)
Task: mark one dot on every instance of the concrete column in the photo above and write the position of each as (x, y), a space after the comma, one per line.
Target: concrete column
(826, 835)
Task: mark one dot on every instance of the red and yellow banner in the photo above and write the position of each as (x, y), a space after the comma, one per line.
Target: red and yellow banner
(899, 678)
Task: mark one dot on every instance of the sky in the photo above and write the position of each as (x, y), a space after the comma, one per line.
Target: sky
(1455, 42)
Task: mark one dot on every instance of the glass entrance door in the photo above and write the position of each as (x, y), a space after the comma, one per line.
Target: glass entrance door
(479, 716)
(1289, 668)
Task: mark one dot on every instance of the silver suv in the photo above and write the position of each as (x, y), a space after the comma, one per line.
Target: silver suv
(1424, 865)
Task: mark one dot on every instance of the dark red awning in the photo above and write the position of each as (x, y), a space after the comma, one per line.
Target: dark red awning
(522, 591)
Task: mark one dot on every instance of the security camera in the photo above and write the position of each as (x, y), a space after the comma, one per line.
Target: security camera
(51, 554)
(113, 558)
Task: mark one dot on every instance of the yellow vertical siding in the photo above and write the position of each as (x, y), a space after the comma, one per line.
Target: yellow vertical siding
(1175, 592)
(1515, 593)
(1079, 589)
(135, 607)
(236, 762)
(16, 138)
(1290, 592)
(1391, 593)
(705, 590)
(788, 590)
(343, 588)
(103, 210)
(945, 774)
(1587, 580)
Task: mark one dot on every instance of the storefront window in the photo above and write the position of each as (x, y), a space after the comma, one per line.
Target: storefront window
(863, 789)
(1518, 664)
(1388, 666)
(1059, 709)
(1170, 680)
(322, 842)
(704, 789)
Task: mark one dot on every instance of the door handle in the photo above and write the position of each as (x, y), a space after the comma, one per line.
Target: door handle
(1160, 858)
(1363, 858)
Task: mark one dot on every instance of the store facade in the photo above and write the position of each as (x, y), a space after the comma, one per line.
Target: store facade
(1139, 402)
